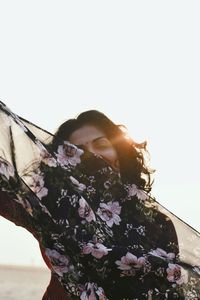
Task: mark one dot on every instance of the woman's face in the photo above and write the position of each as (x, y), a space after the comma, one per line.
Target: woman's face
(94, 140)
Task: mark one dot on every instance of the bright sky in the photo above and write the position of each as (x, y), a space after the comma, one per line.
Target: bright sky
(136, 61)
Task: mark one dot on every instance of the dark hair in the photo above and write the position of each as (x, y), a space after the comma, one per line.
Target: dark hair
(131, 155)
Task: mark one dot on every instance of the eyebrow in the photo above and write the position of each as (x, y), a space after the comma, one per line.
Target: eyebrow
(96, 139)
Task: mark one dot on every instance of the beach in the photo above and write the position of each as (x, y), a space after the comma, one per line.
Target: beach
(23, 283)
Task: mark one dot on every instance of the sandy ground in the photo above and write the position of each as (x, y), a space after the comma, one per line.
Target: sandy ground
(23, 283)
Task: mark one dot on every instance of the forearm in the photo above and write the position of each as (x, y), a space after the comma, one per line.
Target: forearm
(14, 212)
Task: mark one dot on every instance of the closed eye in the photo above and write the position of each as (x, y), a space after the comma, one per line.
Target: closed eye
(102, 143)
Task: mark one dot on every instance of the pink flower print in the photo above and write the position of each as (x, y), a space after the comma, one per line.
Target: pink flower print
(97, 250)
(88, 293)
(92, 292)
(46, 157)
(100, 292)
(177, 274)
(6, 168)
(162, 254)
(134, 191)
(59, 262)
(80, 186)
(109, 212)
(37, 185)
(130, 261)
(85, 210)
(68, 154)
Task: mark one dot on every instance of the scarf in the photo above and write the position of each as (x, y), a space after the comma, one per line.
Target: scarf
(105, 239)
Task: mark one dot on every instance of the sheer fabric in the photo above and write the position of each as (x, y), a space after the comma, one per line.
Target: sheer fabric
(104, 239)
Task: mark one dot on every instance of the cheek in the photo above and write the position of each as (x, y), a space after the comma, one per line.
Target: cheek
(109, 154)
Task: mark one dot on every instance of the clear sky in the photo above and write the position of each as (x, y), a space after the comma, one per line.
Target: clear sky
(136, 61)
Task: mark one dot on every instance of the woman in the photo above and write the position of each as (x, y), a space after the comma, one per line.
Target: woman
(128, 245)
(94, 132)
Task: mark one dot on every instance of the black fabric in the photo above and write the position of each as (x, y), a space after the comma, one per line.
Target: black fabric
(105, 239)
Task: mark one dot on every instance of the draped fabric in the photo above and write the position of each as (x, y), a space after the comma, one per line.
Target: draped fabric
(104, 239)
(14, 212)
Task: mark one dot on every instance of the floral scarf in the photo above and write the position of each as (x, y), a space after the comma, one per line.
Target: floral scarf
(105, 239)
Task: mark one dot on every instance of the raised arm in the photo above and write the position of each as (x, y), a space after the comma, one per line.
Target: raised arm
(14, 212)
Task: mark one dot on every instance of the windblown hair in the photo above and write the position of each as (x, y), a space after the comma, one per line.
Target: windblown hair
(131, 155)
